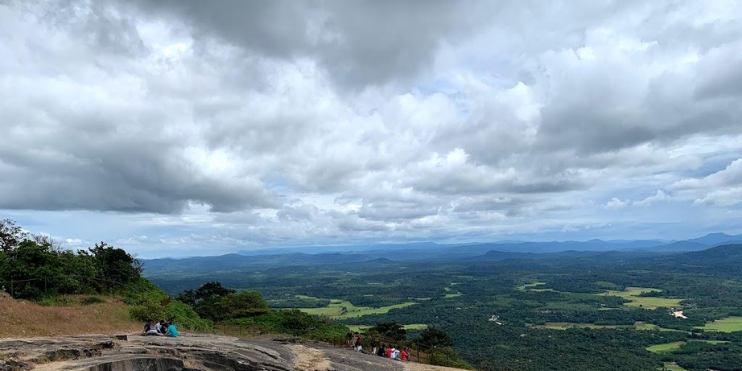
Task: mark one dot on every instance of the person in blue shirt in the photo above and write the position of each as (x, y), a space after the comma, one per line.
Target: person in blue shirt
(171, 330)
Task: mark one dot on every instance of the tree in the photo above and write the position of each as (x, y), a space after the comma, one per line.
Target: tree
(11, 235)
(212, 290)
(187, 297)
(208, 301)
(389, 331)
(244, 304)
(115, 266)
(434, 338)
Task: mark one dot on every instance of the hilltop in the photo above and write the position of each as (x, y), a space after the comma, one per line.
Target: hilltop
(190, 352)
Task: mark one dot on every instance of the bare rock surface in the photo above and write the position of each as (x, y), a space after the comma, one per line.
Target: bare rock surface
(189, 352)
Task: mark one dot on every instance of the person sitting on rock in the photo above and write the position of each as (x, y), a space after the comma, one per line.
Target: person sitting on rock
(149, 330)
(172, 331)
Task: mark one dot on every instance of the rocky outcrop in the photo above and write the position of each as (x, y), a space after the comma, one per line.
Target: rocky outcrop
(192, 352)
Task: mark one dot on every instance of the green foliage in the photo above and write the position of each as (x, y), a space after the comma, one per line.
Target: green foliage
(434, 337)
(31, 267)
(91, 300)
(292, 322)
(217, 303)
(447, 357)
(148, 302)
(243, 304)
(10, 235)
(389, 331)
(184, 316)
(212, 290)
(140, 290)
(149, 309)
(115, 266)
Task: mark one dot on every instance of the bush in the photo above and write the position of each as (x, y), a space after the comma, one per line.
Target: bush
(447, 357)
(56, 301)
(141, 290)
(184, 316)
(92, 300)
(292, 322)
(150, 309)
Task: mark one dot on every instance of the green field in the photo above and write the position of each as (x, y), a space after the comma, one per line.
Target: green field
(672, 366)
(342, 309)
(729, 324)
(632, 294)
(669, 347)
(650, 327)
(666, 347)
(449, 293)
(533, 287)
(568, 325)
(362, 328)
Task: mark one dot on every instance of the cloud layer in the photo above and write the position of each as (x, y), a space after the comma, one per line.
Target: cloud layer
(176, 126)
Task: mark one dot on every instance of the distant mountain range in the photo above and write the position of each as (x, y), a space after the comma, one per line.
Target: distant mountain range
(430, 251)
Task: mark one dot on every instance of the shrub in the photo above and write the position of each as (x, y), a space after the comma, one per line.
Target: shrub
(92, 300)
(150, 309)
(293, 322)
(447, 357)
(184, 316)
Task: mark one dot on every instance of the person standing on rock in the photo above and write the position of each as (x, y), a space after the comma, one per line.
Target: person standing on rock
(374, 345)
(358, 342)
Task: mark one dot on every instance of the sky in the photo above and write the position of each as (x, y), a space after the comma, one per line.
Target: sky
(184, 127)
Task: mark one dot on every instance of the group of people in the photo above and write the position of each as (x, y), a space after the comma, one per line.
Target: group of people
(162, 328)
(354, 340)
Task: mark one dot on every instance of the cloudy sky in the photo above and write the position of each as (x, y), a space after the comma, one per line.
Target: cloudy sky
(186, 127)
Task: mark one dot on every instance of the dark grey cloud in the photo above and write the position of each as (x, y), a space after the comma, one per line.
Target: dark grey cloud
(357, 42)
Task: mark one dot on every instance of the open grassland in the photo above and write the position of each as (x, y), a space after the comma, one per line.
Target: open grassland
(633, 294)
(672, 366)
(729, 324)
(534, 286)
(666, 347)
(26, 319)
(669, 347)
(343, 309)
(569, 325)
(414, 326)
(650, 327)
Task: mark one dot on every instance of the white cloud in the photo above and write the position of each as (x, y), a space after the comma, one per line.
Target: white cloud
(200, 128)
(615, 204)
(659, 197)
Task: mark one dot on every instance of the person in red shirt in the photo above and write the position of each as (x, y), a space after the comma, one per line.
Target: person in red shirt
(389, 352)
(403, 355)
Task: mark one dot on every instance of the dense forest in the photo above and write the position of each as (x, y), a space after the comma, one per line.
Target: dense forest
(574, 311)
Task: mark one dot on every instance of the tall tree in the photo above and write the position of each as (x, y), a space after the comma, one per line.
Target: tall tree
(11, 235)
